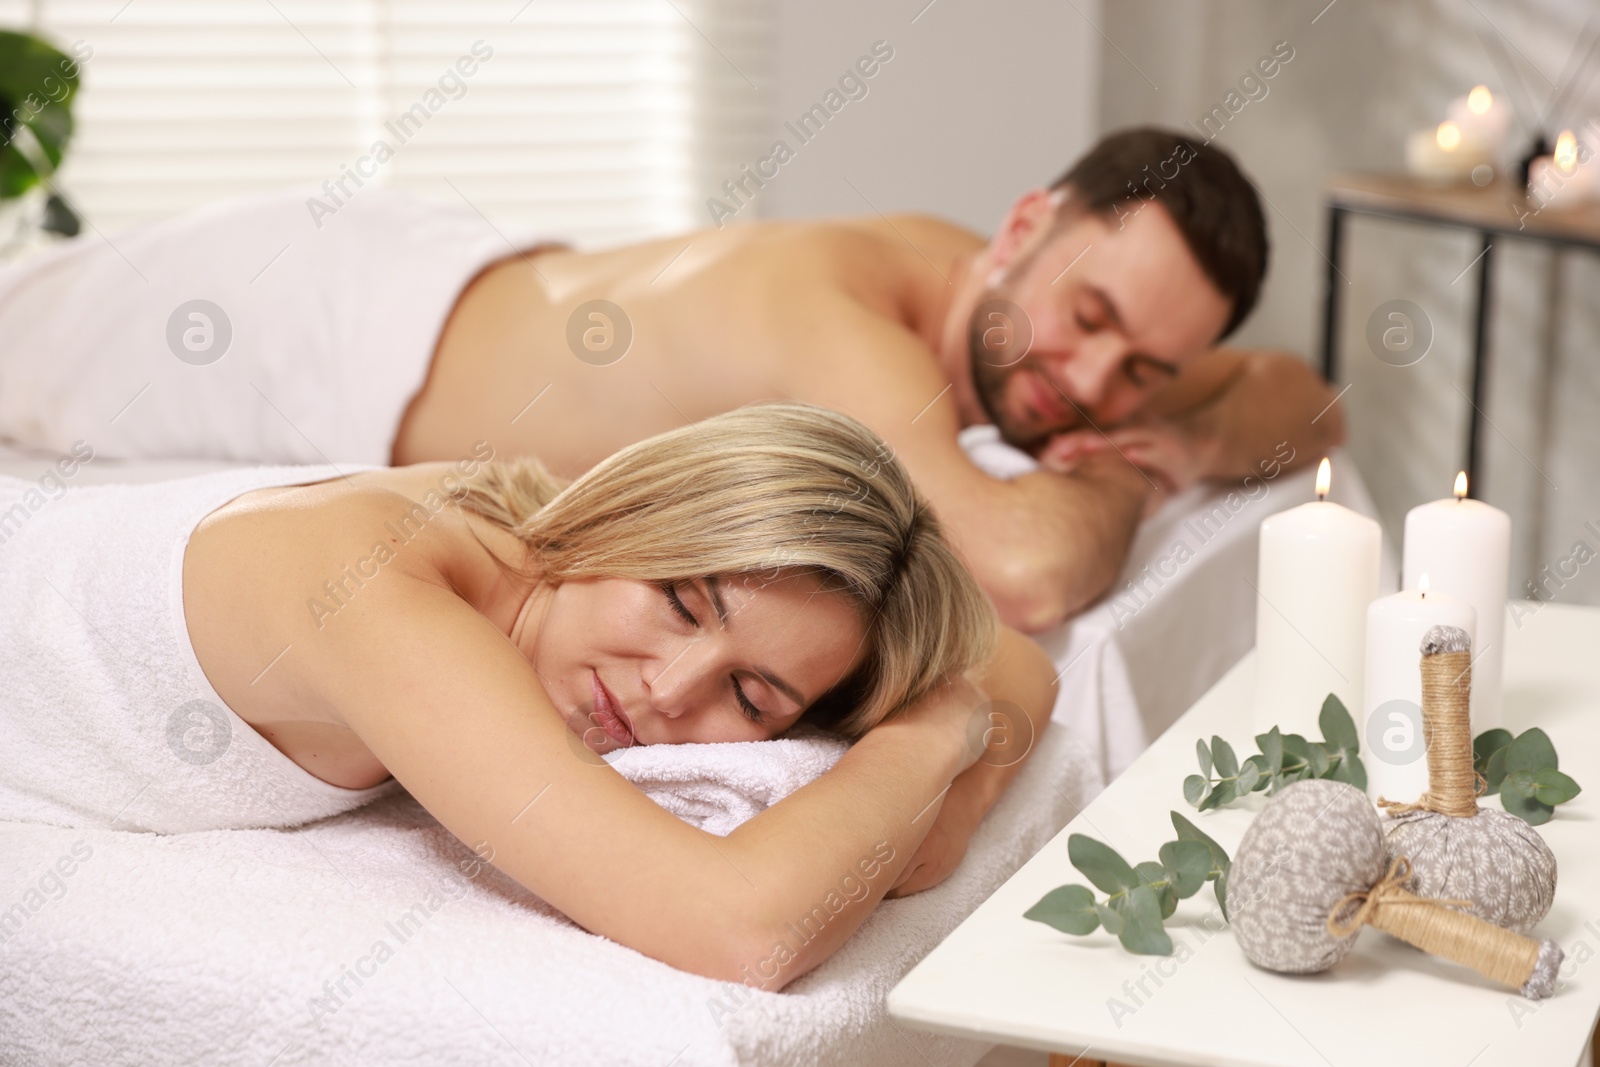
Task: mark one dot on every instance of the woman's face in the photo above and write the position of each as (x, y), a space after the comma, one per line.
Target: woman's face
(717, 659)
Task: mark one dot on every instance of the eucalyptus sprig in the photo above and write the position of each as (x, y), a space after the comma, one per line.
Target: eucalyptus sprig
(1140, 898)
(1524, 771)
(1283, 759)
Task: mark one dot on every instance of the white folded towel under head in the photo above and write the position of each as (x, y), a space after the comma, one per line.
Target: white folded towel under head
(717, 787)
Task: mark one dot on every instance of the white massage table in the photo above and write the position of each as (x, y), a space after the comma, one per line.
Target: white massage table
(214, 948)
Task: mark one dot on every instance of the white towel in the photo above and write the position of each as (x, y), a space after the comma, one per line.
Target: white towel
(106, 717)
(239, 948)
(717, 787)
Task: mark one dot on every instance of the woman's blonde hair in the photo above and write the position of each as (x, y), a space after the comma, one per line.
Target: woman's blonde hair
(761, 490)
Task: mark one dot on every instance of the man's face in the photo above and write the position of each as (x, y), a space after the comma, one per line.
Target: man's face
(1114, 310)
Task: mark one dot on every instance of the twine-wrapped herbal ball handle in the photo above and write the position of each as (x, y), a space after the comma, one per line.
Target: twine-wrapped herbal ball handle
(1311, 872)
(1491, 859)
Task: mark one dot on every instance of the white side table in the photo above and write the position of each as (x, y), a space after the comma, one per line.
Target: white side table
(999, 977)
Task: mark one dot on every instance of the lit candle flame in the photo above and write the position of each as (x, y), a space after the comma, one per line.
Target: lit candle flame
(1324, 478)
(1448, 136)
(1422, 585)
(1480, 100)
(1566, 153)
(1461, 486)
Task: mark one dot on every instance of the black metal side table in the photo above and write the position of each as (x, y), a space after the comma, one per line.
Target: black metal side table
(1498, 210)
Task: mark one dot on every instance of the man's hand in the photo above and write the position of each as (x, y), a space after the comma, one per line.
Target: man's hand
(1172, 456)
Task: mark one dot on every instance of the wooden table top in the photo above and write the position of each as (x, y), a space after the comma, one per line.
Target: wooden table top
(1500, 206)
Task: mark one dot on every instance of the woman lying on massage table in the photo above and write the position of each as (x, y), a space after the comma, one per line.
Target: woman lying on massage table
(715, 583)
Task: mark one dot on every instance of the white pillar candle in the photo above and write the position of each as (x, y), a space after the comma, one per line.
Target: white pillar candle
(1482, 118)
(1393, 749)
(1318, 572)
(1442, 154)
(1566, 178)
(1464, 547)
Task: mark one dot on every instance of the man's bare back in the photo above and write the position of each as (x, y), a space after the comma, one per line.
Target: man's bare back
(718, 318)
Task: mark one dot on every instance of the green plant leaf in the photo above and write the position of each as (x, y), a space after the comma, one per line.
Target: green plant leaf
(1154, 875)
(1338, 728)
(1531, 752)
(1187, 865)
(1487, 744)
(1194, 787)
(1249, 777)
(1141, 929)
(1552, 787)
(1188, 831)
(1101, 864)
(1227, 762)
(1222, 794)
(1221, 888)
(1070, 909)
(1317, 753)
(1204, 754)
(1110, 918)
(1353, 771)
(1271, 744)
(1517, 797)
(1263, 774)
(1494, 770)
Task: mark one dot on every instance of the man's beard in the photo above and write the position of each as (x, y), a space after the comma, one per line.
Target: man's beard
(991, 377)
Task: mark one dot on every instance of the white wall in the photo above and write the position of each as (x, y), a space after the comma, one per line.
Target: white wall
(1364, 74)
(981, 101)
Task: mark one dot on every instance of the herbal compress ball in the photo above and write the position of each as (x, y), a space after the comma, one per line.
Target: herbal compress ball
(1311, 872)
(1457, 850)
(1313, 844)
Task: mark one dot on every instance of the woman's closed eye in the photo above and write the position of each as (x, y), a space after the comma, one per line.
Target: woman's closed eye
(750, 711)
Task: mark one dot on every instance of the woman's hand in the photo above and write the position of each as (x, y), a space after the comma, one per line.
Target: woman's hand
(948, 713)
(943, 849)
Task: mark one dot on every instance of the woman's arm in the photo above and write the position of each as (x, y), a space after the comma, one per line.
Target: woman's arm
(1021, 682)
(458, 716)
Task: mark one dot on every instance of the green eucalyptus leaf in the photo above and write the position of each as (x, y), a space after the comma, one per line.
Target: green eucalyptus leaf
(1487, 744)
(1531, 752)
(1494, 770)
(1338, 728)
(1264, 772)
(1317, 752)
(1101, 864)
(1070, 909)
(1220, 886)
(1154, 875)
(1517, 797)
(1271, 744)
(1227, 763)
(1249, 776)
(1187, 865)
(1141, 929)
(1352, 770)
(1194, 787)
(1295, 749)
(1188, 831)
(1110, 918)
(1204, 754)
(1221, 795)
(1552, 787)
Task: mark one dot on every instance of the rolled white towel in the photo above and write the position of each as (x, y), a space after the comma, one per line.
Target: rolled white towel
(718, 786)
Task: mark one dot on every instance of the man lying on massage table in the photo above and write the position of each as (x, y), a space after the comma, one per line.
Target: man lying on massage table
(713, 583)
(357, 324)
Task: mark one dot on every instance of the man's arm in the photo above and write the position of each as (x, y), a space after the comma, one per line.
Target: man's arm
(1043, 545)
(1238, 407)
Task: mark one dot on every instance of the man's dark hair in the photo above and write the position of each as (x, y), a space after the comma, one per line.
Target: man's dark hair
(1201, 187)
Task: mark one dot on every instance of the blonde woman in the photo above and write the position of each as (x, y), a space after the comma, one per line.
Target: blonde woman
(478, 633)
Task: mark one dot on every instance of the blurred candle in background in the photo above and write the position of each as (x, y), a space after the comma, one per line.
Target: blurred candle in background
(1318, 572)
(1564, 178)
(1484, 119)
(1393, 748)
(1442, 154)
(1464, 547)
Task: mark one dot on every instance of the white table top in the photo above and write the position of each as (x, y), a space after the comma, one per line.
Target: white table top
(1003, 978)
